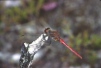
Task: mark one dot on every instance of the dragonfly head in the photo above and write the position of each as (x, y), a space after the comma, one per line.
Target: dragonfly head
(47, 30)
(53, 34)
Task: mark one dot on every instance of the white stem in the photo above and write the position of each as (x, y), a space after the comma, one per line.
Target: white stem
(36, 45)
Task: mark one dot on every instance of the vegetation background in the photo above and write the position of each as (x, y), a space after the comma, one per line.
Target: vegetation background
(77, 21)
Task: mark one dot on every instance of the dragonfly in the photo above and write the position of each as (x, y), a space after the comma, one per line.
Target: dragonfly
(55, 35)
(29, 50)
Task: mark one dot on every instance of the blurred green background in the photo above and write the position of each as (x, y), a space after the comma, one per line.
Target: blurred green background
(77, 21)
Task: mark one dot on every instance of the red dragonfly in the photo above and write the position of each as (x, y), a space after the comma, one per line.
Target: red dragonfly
(55, 35)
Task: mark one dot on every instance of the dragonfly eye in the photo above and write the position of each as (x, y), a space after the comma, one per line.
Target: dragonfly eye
(46, 30)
